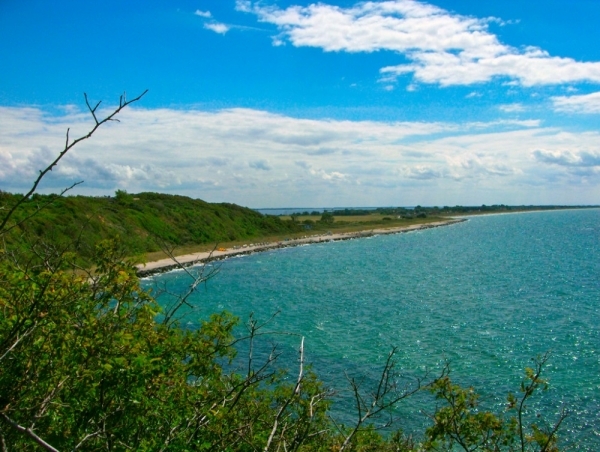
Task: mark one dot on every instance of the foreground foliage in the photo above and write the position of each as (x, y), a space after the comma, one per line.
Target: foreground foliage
(87, 363)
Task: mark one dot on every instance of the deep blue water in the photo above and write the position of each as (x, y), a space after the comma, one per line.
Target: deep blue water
(487, 295)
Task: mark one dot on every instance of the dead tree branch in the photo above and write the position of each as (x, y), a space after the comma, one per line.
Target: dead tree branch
(68, 146)
(29, 432)
(198, 279)
(295, 393)
(385, 397)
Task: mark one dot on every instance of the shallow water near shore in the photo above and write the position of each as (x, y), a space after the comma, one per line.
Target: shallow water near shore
(487, 295)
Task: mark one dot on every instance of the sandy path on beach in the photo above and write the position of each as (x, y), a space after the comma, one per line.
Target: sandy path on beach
(191, 259)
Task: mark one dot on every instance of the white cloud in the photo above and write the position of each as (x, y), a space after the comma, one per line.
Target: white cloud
(257, 158)
(443, 48)
(243, 6)
(504, 122)
(584, 103)
(205, 14)
(331, 176)
(568, 158)
(512, 108)
(217, 27)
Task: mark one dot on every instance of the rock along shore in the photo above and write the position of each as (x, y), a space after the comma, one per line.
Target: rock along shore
(167, 264)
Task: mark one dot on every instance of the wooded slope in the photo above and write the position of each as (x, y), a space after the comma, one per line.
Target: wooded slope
(143, 221)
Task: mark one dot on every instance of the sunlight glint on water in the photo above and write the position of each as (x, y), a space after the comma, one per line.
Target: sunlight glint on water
(487, 295)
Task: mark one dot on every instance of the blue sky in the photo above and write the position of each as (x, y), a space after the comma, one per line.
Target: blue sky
(296, 103)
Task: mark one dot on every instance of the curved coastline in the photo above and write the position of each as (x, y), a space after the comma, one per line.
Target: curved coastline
(168, 264)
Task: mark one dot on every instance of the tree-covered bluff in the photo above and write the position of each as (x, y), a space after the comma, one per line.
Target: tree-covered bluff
(144, 222)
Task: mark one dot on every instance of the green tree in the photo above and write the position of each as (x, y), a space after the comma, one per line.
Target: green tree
(327, 218)
(460, 423)
(123, 198)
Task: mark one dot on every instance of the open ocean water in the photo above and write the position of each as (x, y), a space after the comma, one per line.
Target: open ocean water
(487, 295)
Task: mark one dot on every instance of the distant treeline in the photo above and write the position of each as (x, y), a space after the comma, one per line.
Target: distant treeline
(446, 210)
(144, 222)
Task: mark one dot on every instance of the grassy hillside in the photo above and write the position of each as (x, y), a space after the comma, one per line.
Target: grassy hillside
(142, 221)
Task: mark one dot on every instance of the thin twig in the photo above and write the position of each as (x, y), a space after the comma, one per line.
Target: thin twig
(295, 392)
(29, 432)
(67, 148)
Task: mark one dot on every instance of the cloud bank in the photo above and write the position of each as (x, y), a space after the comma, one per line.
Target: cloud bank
(260, 159)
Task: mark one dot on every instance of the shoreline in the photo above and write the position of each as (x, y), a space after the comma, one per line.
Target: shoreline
(187, 260)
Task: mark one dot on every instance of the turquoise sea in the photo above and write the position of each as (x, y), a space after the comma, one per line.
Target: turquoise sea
(487, 295)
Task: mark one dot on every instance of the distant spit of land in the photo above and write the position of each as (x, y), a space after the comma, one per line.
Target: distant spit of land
(153, 227)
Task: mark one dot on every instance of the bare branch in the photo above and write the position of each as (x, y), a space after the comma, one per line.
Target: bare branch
(295, 392)
(29, 432)
(202, 277)
(3, 441)
(49, 397)
(552, 433)
(85, 438)
(93, 110)
(387, 395)
(43, 206)
(19, 339)
(67, 148)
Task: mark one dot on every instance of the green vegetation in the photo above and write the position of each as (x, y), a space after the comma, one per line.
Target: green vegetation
(423, 212)
(90, 361)
(365, 221)
(144, 222)
(327, 218)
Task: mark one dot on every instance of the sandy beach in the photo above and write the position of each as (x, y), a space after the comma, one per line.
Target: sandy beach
(167, 264)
